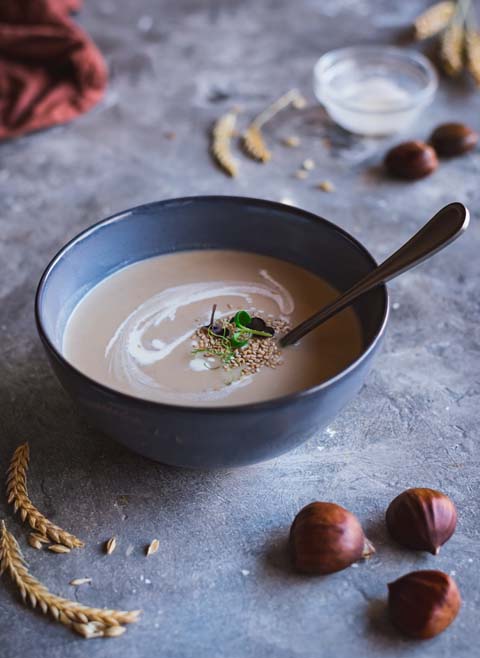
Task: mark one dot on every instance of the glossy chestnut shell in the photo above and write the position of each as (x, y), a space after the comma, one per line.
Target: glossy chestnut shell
(451, 139)
(422, 519)
(411, 160)
(422, 604)
(325, 538)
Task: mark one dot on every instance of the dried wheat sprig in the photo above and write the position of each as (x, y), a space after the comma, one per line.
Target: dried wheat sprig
(253, 141)
(18, 495)
(222, 133)
(434, 20)
(451, 49)
(80, 618)
(472, 51)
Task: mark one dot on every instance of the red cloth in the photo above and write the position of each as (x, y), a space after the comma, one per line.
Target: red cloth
(50, 71)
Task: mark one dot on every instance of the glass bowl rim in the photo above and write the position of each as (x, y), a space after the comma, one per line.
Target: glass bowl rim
(333, 57)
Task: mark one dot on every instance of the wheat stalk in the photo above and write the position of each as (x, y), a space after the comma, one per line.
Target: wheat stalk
(88, 622)
(222, 133)
(18, 495)
(253, 141)
(434, 20)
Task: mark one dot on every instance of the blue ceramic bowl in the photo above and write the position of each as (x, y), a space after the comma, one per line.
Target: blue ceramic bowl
(208, 437)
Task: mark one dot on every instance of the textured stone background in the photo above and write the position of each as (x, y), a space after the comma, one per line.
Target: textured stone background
(219, 585)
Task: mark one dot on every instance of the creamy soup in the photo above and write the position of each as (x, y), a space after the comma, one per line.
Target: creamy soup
(140, 330)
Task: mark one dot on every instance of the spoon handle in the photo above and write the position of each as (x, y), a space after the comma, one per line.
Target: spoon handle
(447, 225)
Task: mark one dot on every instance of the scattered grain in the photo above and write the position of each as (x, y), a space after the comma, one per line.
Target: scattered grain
(110, 545)
(153, 547)
(301, 174)
(80, 581)
(291, 141)
(326, 186)
(308, 164)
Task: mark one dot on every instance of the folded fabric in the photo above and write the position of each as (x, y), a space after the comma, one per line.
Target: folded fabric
(50, 71)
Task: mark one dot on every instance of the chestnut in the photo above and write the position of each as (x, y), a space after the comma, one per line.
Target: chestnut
(422, 519)
(450, 139)
(325, 538)
(422, 604)
(411, 160)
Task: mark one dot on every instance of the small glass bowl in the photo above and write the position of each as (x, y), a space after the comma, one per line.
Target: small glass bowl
(374, 90)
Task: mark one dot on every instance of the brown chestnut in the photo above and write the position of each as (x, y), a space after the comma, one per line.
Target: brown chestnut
(422, 604)
(411, 160)
(422, 519)
(325, 538)
(450, 139)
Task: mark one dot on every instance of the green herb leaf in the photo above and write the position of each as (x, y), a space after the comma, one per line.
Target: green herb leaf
(239, 339)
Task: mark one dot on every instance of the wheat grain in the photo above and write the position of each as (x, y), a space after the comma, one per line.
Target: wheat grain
(253, 141)
(291, 141)
(81, 618)
(110, 545)
(472, 49)
(434, 20)
(451, 49)
(34, 542)
(18, 495)
(222, 134)
(153, 547)
(114, 631)
(326, 186)
(58, 548)
(40, 538)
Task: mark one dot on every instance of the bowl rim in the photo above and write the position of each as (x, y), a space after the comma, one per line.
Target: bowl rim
(213, 409)
(325, 93)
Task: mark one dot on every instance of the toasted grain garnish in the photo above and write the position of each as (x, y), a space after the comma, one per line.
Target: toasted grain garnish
(326, 186)
(58, 548)
(34, 593)
(153, 547)
(253, 141)
(18, 495)
(222, 133)
(34, 542)
(110, 545)
(472, 50)
(76, 582)
(451, 49)
(291, 141)
(434, 20)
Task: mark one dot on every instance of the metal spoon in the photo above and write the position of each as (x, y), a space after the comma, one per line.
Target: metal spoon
(447, 225)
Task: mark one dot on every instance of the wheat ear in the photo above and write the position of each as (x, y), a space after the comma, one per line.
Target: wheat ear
(88, 622)
(434, 20)
(253, 141)
(222, 133)
(18, 495)
(451, 49)
(472, 43)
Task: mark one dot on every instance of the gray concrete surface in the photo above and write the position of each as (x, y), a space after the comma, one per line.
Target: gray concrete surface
(220, 586)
